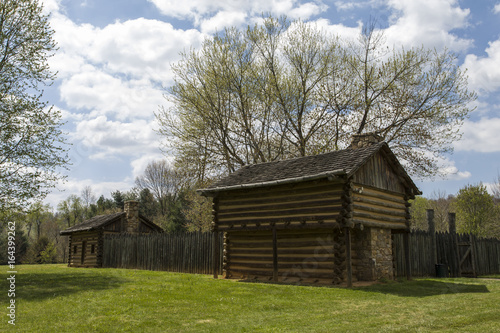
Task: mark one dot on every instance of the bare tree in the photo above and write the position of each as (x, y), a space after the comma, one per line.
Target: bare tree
(88, 196)
(284, 89)
(162, 180)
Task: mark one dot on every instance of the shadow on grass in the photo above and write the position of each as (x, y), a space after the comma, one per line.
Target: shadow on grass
(424, 288)
(40, 286)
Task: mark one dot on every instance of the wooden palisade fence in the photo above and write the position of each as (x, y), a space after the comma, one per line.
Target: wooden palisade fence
(486, 258)
(187, 253)
(461, 254)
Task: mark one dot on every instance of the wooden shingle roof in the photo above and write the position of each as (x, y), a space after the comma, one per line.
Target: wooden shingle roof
(337, 163)
(94, 223)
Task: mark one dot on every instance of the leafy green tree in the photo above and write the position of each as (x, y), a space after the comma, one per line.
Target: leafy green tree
(283, 89)
(104, 205)
(71, 210)
(41, 252)
(418, 211)
(442, 205)
(21, 242)
(32, 146)
(49, 254)
(148, 204)
(475, 210)
(119, 199)
(37, 214)
(197, 211)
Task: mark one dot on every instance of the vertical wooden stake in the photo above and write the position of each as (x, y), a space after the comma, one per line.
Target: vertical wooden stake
(215, 211)
(432, 234)
(216, 254)
(348, 256)
(453, 233)
(275, 255)
(406, 243)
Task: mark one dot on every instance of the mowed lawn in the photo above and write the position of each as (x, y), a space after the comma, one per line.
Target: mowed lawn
(55, 298)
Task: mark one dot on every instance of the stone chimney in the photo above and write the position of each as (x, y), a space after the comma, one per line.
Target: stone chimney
(365, 140)
(132, 218)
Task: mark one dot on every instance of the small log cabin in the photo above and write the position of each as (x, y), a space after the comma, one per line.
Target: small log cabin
(326, 218)
(85, 239)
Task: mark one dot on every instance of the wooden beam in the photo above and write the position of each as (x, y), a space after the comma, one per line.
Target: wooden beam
(406, 244)
(386, 225)
(312, 225)
(432, 233)
(275, 255)
(216, 254)
(348, 256)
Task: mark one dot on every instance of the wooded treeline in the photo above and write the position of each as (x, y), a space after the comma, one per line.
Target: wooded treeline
(176, 207)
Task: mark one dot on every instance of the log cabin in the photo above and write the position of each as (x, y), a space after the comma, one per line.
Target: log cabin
(327, 218)
(86, 238)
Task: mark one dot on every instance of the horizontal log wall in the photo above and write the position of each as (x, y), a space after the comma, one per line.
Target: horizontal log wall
(285, 207)
(301, 255)
(378, 208)
(90, 259)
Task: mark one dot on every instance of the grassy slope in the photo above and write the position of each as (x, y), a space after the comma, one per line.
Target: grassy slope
(55, 298)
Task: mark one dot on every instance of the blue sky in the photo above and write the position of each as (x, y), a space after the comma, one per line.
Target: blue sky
(114, 60)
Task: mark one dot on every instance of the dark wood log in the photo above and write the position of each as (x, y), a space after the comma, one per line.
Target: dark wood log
(278, 191)
(361, 214)
(301, 211)
(283, 205)
(284, 225)
(348, 256)
(406, 244)
(275, 255)
(432, 233)
(269, 244)
(387, 225)
(216, 254)
(379, 210)
(381, 194)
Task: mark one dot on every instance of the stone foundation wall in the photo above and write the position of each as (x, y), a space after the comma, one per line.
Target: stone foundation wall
(372, 254)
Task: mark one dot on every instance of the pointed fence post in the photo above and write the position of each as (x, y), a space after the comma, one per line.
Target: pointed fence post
(432, 234)
(454, 238)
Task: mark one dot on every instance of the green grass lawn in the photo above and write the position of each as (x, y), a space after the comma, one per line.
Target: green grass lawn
(55, 298)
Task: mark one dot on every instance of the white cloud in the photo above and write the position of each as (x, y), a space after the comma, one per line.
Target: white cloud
(139, 48)
(347, 33)
(480, 136)
(484, 72)
(427, 22)
(111, 138)
(50, 6)
(199, 11)
(350, 5)
(223, 19)
(110, 95)
(496, 9)
(451, 172)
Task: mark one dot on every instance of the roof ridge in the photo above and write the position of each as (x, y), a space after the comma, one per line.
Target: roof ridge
(311, 156)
